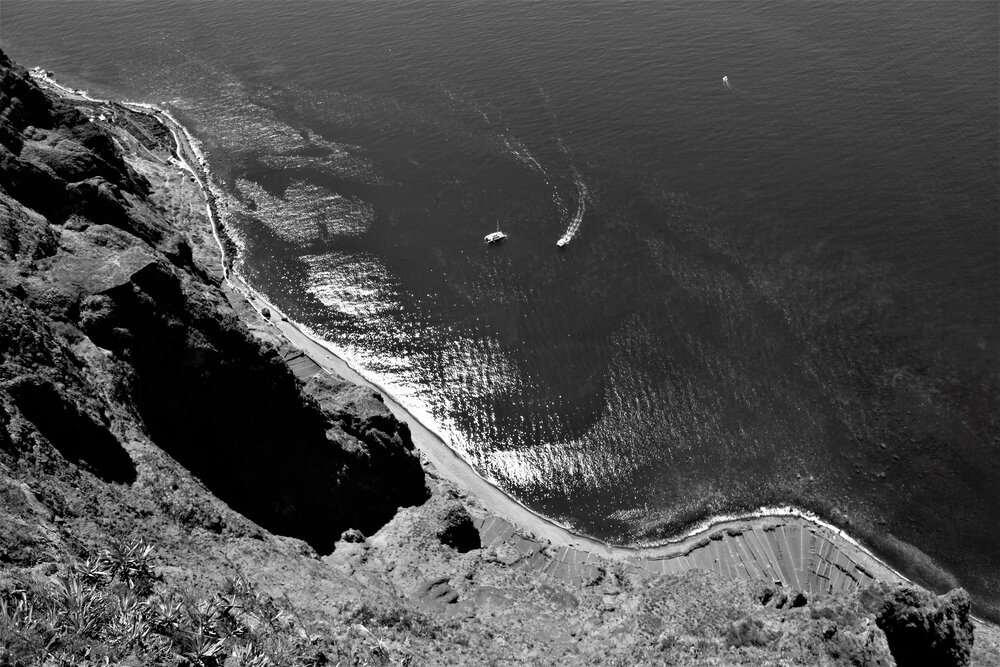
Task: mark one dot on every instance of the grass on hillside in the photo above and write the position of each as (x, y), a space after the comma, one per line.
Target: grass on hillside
(112, 609)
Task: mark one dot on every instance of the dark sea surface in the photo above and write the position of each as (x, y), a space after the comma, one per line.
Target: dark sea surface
(786, 290)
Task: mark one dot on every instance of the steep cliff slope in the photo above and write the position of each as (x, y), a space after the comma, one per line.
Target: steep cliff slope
(131, 344)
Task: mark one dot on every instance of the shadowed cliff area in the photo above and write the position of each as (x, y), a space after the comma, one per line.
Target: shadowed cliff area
(73, 433)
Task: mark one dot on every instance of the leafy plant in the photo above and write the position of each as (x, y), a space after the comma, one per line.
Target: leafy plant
(111, 607)
(81, 608)
(128, 562)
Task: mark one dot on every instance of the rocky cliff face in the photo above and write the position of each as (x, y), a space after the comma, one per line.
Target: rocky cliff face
(113, 335)
(135, 403)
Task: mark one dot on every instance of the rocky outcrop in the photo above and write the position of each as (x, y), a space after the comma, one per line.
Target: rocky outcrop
(456, 528)
(53, 160)
(922, 628)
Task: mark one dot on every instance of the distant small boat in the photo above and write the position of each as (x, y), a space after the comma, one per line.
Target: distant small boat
(563, 241)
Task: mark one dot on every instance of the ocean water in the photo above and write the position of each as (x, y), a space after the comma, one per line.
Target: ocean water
(780, 288)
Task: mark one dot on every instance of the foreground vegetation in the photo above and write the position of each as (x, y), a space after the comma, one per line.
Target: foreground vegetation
(113, 609)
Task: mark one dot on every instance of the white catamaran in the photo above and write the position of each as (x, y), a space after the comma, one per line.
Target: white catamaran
(495, 237)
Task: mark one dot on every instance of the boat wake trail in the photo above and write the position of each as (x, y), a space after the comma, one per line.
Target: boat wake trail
(581, 188)
(581, 207)
(522, 154)
(478, 117)
(729, 86)
(493, 122)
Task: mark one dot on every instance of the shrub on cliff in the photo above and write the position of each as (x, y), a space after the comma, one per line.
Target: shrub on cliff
(748, 631)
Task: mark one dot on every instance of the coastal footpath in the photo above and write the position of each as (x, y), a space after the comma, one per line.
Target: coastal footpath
(146, 392)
